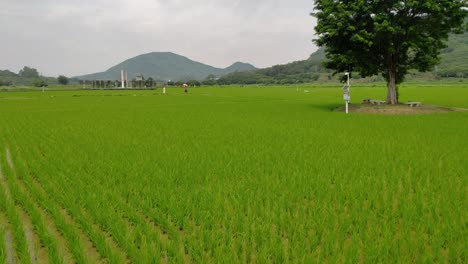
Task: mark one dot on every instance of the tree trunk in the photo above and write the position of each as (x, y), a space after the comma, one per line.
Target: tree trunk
(392, 95)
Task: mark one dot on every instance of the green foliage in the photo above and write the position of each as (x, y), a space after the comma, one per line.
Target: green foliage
(26, 77)
(28, 72)
(62, 80)
(4, 83)
(296, 72)
(194, 83)
(149, 82)
(7, 73)
(210, 80)
(373, 37)
(386, 37)
(39, 82)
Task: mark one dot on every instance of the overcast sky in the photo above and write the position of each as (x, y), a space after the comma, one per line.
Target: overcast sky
(74, 37)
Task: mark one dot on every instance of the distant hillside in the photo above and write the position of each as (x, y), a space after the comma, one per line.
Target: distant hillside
(454, 63)
(165, 66)
(295, 72)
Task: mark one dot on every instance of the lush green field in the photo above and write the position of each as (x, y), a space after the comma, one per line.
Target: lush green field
(232, 175)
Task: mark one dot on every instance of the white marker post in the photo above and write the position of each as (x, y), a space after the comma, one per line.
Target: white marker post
(346, 95)
(122, 79)
(126, 79)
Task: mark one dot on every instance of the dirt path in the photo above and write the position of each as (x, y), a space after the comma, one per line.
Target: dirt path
(460, 109)
(10, 257)
(9, 160)
(37, 253)
(8, 240)
(6, 191)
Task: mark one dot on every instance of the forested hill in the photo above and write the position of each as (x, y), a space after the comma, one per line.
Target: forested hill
(454, 63)
(165, 66)
(299, 71)
(455, 58)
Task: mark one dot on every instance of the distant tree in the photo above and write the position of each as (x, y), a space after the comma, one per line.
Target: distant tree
(62, 80)
(194, 83)
(28, 72)
(209, 82)
(389, 37)
(38, 82)
(149, 82)
(7, 73)
(210, 77)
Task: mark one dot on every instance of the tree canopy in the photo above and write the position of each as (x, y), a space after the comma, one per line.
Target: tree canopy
(28, 72)
(62, 80)
(386, 37)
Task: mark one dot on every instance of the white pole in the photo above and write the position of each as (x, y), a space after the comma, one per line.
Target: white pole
(122, 79)
(126, 79)
(164, 90)
(346, 106)
(349, 89)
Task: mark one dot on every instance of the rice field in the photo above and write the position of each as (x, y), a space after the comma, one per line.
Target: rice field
(232, 175)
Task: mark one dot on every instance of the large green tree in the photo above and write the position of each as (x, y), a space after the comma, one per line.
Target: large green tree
(388, 37)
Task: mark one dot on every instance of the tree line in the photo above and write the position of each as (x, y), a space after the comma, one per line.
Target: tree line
(30, 76)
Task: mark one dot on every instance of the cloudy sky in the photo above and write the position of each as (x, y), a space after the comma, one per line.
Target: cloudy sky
(74, 37)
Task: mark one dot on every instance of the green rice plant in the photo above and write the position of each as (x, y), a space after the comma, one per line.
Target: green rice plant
(69, 232)
(266, 174)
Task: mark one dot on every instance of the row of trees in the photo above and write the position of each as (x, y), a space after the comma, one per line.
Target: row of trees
(29, 76)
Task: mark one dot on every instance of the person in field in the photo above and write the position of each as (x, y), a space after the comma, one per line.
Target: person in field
(185, 88)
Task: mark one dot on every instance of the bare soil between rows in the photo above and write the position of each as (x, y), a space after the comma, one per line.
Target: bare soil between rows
(399, 109)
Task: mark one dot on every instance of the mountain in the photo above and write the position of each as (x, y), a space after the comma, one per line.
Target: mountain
(454, 63)
(238, 67)
(165, 66)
